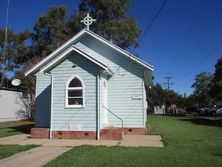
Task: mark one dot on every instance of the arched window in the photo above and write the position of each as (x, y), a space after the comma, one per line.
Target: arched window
(74, 93)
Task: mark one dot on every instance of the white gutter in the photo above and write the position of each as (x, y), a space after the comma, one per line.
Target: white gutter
(50, 129)
(98, 106)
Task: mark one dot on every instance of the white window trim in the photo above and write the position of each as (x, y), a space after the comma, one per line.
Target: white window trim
(75, 88)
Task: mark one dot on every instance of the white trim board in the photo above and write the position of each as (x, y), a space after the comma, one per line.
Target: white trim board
(38, 65)
(64, 54)
(124, 52)
(78, 35)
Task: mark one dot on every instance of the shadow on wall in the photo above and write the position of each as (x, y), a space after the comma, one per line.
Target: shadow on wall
(43, 108)
(205, 121)
(24, 110)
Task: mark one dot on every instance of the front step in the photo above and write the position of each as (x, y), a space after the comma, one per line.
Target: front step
(111, 133)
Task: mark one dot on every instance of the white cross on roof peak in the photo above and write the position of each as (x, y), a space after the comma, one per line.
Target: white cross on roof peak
(88, 21)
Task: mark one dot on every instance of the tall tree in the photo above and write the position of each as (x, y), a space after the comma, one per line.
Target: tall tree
(216, 89)
(112, 21)
(14, 53)
(155, 96)
(201, 87)
(51, 30)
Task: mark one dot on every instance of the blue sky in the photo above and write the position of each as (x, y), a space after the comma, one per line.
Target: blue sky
(184, 40)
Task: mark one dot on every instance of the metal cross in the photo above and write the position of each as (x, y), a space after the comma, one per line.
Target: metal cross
(88, 21)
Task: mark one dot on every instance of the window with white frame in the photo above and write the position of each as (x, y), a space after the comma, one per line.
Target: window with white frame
(74, 93)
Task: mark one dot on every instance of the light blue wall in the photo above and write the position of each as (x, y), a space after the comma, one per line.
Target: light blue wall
(122, 86)
(43, 100)
(126, 82)
(85, 117)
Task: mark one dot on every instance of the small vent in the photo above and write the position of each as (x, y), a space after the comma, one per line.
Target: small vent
(130, 130)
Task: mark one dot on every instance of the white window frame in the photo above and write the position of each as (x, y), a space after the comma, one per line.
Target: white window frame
(75, 88)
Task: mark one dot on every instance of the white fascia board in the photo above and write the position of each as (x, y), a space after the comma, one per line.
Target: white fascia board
(89, 58)
(148, 66)
(55, 52)
(56, 60)
(139, 61)
(72, 48)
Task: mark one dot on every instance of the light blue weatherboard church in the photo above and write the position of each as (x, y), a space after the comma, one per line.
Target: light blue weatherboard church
(90, 88)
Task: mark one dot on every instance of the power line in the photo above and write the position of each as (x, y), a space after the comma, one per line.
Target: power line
(193, 42)
(204, 59)
(187, 40)
(151, 23)
(204, 42)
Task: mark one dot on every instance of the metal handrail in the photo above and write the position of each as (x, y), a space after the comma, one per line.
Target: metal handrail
(114, 115)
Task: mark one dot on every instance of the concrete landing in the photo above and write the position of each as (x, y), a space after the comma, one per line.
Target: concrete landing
(128, 140)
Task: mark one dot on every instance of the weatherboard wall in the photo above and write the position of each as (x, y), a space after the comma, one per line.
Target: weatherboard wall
(81, 119)
(43, 100)
(125, 92)
(123, 86)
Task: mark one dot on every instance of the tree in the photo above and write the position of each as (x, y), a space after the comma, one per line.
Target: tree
(216, 89)
(192, 100)
(13, 53)
(201, 87)
(28, 82)
(112, 22)
(171, 97)
(51, 30)
(155, 96)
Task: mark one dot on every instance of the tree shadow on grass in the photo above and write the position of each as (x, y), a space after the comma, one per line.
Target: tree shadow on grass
(23, 128)
(205, 121)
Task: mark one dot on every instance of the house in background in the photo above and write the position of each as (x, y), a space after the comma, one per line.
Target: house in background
(90, 88)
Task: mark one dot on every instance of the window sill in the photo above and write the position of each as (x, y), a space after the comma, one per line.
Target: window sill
(74, 107)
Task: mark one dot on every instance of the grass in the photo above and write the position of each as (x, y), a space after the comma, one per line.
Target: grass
(8, 150)
(188, 142)
(15, 127)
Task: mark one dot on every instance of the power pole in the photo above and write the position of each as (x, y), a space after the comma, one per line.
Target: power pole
(168, 83)
(3, 59)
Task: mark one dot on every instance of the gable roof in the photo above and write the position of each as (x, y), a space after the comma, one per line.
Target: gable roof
(67, 44)
(69, 50)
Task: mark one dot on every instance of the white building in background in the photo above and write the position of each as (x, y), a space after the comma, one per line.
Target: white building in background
(14, 105)
(160, 110)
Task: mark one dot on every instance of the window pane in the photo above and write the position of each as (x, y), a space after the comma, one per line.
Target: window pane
(74, 93)
(75, 83)
(74, 101)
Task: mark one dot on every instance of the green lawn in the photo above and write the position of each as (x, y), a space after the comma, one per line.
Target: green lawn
(188, 142)
(16, 127)
(8, 150)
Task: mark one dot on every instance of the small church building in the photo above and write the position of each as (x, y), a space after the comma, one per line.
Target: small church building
(90, 88)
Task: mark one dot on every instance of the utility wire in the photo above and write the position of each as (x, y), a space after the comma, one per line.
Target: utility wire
(151, 23)
(203, 42)
(185, 54)
(205, 58)
(186, 42)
